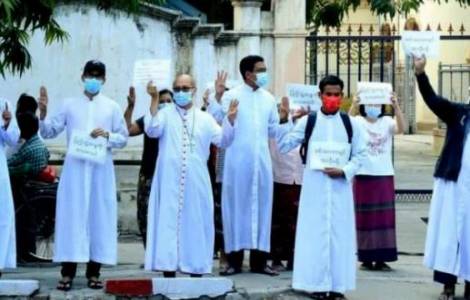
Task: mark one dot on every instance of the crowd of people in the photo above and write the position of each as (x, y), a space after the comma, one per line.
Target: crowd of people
(238, 174)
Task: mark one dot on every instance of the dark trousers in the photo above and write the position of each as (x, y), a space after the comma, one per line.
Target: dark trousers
(258, 259)
(445, 278)
(171, 274)
(69, 269)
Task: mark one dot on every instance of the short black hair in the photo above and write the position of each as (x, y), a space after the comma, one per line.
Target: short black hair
(165, 91)
(362, 110)
(94, 68)
(330, 80)
(247, 64)
(26, 103)
(28, 124)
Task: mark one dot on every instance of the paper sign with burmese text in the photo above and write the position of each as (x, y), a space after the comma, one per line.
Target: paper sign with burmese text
(82, 146)
(374, 92)
(328, 155)
(157, 70)
(421, 43)
(305, 96)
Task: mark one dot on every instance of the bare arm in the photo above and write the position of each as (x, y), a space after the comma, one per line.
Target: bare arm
(132, 127)
(400, 119)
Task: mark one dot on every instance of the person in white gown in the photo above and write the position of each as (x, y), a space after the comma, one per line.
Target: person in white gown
(447, 249)
(86, 213)
(9, 136)
(325, 245)
(180, 233)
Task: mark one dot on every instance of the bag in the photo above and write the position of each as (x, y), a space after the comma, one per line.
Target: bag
(312, 118)
(48, 174)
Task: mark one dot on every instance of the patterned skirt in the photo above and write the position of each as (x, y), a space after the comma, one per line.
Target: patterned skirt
(374, 198)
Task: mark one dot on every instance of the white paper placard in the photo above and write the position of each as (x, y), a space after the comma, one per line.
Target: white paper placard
(157, 70)
(83, 146)
(421, 43)
(328, 155)
(301, 95)
(374, 92)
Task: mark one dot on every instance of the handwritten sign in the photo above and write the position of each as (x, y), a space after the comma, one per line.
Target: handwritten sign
(328, 155)
(82, 146)
(374, 92)
(158, 70)
(421, 43)
(301, 95)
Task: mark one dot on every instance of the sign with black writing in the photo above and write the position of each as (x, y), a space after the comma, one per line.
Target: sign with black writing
(374, 92)
(301, 95)
(328, 155)
(82, 146)
(421, 43)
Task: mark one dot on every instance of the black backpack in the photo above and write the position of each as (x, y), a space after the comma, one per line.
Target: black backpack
(312, 118)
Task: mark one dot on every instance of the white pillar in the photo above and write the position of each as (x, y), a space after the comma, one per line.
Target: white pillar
(247, 22)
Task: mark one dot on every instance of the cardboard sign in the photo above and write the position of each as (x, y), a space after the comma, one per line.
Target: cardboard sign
(374, 92)
(82, 146)
(301, 95)
(157, 70)
(328, 155)
(421, 43)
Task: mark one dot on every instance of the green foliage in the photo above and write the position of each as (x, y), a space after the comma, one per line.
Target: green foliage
(331, 12)
(19, 19)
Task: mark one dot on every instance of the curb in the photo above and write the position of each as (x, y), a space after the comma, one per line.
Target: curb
(18, 287)
(173, 288)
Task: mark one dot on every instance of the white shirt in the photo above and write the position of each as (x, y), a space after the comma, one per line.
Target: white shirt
(287, 168)
(379, 146)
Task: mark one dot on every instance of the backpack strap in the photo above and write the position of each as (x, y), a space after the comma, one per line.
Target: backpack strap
(347, 124)
(311, 120)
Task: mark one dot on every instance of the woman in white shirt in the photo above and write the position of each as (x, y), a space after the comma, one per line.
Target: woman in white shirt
(374, 189)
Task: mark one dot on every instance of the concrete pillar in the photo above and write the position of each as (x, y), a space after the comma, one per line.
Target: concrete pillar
(289, 43)
(247, 22)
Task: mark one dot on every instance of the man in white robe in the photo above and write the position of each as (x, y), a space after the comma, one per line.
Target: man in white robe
(86, 214)
(9, 136)
(325, 248)
(247, 191)
(180, 234)
(448, 237)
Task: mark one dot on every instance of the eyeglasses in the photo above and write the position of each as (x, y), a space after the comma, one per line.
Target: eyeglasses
(185, 89)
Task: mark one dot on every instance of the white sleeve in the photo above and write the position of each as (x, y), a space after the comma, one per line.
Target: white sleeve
(358, 151)
(52, 127)
(154, 125)
(215, 109)
(222, 137)
(11, 135)
(289, 136)
(119, 134)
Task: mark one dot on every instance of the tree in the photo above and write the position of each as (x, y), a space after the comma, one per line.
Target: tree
(332, 12)
(20, 19)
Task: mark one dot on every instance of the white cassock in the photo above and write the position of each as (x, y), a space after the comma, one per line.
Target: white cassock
(8, 137)
(86, 213)
(180, 230)
(325, 246)
(247, 193)
(448, 236)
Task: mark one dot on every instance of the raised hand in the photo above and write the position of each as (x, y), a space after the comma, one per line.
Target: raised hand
(152, 89)
(43, 102)
(220, 84)
(284, 109)
(6, 116)
(131, 97)
(232, 111)
(394, 100)
(419, 64)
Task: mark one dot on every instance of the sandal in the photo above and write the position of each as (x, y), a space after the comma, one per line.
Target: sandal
(381, 266)
(230, 271)
(337, 296)
(319, 296)
(95, 284)
(267, 270)
(64, 285)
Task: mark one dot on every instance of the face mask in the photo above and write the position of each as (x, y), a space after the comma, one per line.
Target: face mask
(373, 112)
(183, 98)
(93, 85)
(262, 79)
(331, 104)
(163, 105)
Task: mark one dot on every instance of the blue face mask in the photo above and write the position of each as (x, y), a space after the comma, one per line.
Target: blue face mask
(373, 111)
(183, 98)
(262, 79)
(93, 85)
